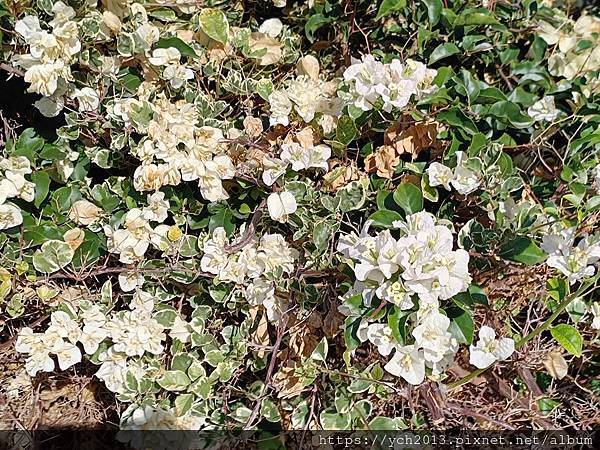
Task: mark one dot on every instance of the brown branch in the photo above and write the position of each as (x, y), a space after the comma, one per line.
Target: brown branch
(250, 231)
(12, 70)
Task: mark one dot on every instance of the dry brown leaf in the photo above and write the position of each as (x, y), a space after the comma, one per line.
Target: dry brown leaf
(286, 383)
(74, 237)
(383, 161)
(556, 365)
(83, 212)
(308, 65)
(252, 126)
(260, 336)
(411, 138)
(339, 176)
(306, 137)
(332, 321)
(305, 335)
(260, 41)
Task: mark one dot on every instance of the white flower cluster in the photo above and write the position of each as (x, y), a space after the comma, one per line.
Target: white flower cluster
(568, 59)
(254, 268)
(13, 184)
(39, 346)
(421, 268)
(47, 65)
(573, 261)
(132, 333)
(372, 82)
(307, 97)
(177, 149)
(462, 179)
(132, 241)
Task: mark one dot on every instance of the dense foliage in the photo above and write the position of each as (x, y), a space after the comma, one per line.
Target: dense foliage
(242, 213)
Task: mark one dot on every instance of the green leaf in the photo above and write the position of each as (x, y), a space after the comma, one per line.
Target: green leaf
(214, 23)
(568, 337)
(397, 323)
(346, 130)
(52, 256)
(409, 197)
(222, 218)
(443, 51)
(183, 403)
(322, 234)
(461, 325)
(523, 250)
(315, 22)
(471, 85)
(174, 380)
(475, 16)
(320, 352)
(177, 43)
(434, 11)
(457, 118)
(350, 329)
(28, 144)
(351, 197)
(384, 218)
(42, 186)
(389, 6)
(335, 421)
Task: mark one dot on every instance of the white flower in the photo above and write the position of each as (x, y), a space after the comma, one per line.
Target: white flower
(575, 262)
(136, 332)
(368, 78)
(439, 175)
(271, 27)
(305, 93)
(489, 349)
(28, 27)
(39, 362)
(177, 75)
(10, 216)
(396, 293)
(543, 110)
(408, 362)
(64, 326)
(273, 168)
(67, 355)
(87, 98)
(43, 78)
(398, 89)
(465, 180)
(130, 281)
(165, 56)
(381, 336)
(91, 337)
(301, 157)
(157, 209)
(281, 107)
(281, 205)
(142, 300)
(433, 336)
